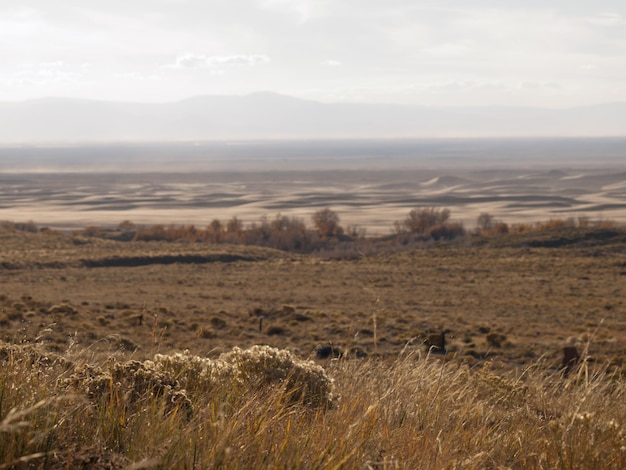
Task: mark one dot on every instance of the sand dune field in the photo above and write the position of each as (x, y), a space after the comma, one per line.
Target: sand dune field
(372, 199)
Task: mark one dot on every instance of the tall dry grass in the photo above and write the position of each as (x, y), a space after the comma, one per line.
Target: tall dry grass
(265, 408)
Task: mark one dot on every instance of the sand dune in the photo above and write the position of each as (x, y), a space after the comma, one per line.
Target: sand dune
(370, 199)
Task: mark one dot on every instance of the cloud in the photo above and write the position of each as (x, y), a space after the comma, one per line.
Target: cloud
(42, 73)
(404, 51)
(303, 10)
(607, 19)
(136, 76)
(538, 85)
(449, 49)
(199, 61)
(249, 60)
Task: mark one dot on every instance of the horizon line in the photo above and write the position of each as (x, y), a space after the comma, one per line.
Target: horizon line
(305, 100)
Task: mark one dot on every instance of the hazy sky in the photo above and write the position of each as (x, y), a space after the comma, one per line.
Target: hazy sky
(441, 52)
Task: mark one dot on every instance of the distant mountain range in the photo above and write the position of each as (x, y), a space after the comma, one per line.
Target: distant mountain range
(273, 116)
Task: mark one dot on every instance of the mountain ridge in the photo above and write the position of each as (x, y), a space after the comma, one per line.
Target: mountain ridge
(267, 115)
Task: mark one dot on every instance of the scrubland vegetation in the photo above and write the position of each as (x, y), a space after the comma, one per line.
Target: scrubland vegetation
(201, 352)
(264, 408)
(327, 236)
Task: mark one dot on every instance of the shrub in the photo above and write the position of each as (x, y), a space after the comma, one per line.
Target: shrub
(420, 220)
(259, 366)
(496, 340)
(148, 234)
(26, 227)
(195, 373)
(500, 228)
(484, 221)
(263, 365)
(126, 226)
(447, 231)
(326, 221)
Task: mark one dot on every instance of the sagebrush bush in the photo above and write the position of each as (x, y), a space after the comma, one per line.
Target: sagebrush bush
(195, 373)
(132, 383)
(263, 365)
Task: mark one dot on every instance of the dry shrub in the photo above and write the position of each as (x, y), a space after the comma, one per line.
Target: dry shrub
(252, 368)
(447, 231)
(556, 224)
(496, 340)
(263, 365)
(500, 228)
(277, 330)
(131, 384)
(326, 221)
(521, 228)
(155, 233)
(195, 373)
(422, 219)
(206, 332)
(62, 309)
(283, 233)
(607, 224)
(19, 226)
(90, 231)
(485, 222)
(430, 223)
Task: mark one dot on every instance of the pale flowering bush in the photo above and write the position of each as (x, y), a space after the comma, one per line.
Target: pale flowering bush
(178, 375)
(264, 365)
(130, 384)
(195, 373)
(258, 366)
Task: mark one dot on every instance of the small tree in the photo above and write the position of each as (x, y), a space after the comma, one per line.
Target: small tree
(484, 221)
(214, 231)
(326, 221)
(420, 220)
(234, 226)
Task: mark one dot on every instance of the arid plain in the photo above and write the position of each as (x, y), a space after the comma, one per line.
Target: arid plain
(511, 299)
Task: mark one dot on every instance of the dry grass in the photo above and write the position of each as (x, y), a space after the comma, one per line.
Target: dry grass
(92, 374)
(185, 411)
(510, 298)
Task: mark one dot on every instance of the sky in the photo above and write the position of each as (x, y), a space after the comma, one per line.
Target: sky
(555, 54)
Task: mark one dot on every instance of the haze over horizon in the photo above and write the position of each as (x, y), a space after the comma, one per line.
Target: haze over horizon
(263, 116)
(443, 53)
